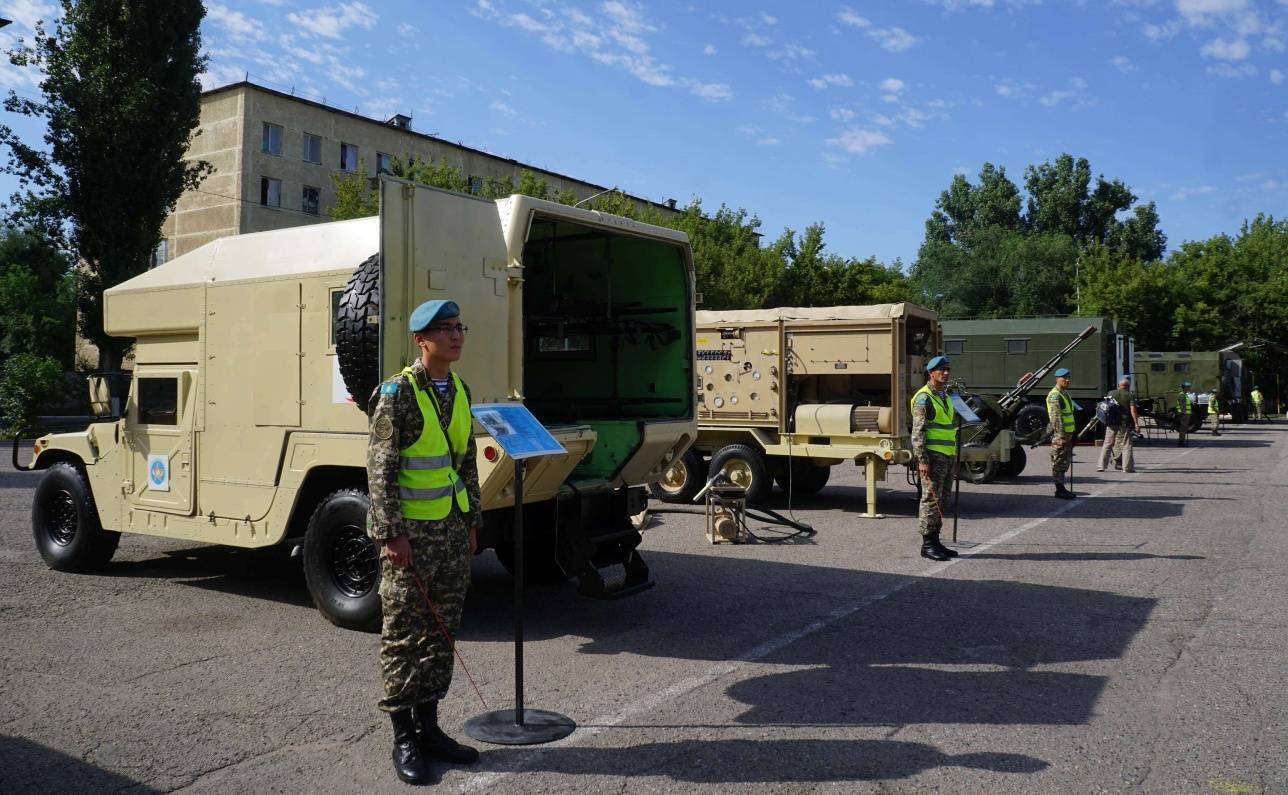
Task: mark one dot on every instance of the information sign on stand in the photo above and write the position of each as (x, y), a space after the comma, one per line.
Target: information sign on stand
(522, 437)
(965, 416)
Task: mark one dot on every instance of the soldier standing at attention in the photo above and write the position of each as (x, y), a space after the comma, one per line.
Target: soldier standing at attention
(1060, 410)
(1183, 408)
(1257, 413)
(1118, 440)
(425, 512)
(1214, 408)
(934, 444)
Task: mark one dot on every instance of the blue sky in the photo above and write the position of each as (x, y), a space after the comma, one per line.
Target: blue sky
(856, 114)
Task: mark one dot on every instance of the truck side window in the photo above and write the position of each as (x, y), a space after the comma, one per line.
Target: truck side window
(954, 347)
(158, 401)
(1157, 367)
(1017, 346)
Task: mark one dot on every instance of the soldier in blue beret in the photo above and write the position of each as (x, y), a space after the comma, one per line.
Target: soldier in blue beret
(1060, 412)
(934, 445)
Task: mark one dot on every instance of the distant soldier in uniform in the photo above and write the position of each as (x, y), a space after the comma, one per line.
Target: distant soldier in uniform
(1184, 406)
(934, 444)
(1118, 440)
(1257, 412)
(425, 512)
(1214, 409)
(1060, 411)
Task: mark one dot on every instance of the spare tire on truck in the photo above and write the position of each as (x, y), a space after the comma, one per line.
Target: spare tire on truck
(357, 332)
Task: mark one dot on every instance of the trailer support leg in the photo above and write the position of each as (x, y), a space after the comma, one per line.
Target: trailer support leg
(871, 465)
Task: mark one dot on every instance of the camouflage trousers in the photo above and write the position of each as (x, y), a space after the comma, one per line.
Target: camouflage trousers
(936, 491)
(415, 658)
(1061, 455)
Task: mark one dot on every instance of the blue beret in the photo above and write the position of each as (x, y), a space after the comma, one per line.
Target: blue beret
(430, 311)
(936, 363)
(1063, 372)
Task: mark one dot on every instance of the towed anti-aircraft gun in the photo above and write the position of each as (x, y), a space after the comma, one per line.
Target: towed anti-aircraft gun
(1009, 414)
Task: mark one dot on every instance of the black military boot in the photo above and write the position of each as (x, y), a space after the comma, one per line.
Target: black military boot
(409, 764)
(931, 548)
(434, 743)
(1063, 493)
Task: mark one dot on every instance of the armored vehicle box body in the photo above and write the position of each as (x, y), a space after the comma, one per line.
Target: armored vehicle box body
(255, 354)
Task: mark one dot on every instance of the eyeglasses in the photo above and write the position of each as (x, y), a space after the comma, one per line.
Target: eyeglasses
(454, 329)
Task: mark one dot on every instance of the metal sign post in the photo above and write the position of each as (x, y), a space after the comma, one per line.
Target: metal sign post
(522, 437)
(962, 413)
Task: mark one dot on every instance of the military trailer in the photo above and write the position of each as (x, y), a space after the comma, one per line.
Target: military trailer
(255, 355)
(1159, 375)
(992, 355)
(785, 394)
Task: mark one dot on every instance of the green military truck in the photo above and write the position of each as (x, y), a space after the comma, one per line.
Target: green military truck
(255, 356)
(992, 355)
(1159, 375)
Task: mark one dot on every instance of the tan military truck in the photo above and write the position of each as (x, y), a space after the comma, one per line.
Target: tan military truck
(255, 355)
(785, 394)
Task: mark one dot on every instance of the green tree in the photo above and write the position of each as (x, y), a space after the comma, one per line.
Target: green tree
(354, 197)
(120, 99)
(37, 298)
(28, 382)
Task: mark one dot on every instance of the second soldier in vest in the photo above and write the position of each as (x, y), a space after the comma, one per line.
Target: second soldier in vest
(425, 512)
(1184, 409)
(1060, 411)
(934, 444)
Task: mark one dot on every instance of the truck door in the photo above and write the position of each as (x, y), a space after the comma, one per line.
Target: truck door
(159, 436)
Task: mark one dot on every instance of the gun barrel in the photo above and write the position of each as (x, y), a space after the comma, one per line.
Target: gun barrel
(1011, 398)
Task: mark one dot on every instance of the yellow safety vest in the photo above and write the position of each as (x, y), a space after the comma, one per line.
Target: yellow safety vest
(427, 478)
(1066, 410)
(1214, 405)
(1182, 403)
(941, 435)
(1256, 397)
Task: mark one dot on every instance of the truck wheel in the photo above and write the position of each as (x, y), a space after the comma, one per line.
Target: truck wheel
(745, 467)
(807, 478)
(65, 522)
(1029, 424)
(1015, 467)
(979, 472)
(357, 332)
(341, 565)
(681, 480)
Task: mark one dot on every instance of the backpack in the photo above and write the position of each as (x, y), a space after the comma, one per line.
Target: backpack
(1109, 412)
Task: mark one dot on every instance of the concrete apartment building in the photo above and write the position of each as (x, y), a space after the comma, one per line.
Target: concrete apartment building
(273, 156)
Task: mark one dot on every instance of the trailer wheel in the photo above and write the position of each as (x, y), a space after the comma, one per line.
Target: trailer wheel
(1029, 424)
(744, 466)
(807, 478)
(978, 472)
(357, 332)
(65, 522)
(341, 563)
(682, 479)
(1015, 467)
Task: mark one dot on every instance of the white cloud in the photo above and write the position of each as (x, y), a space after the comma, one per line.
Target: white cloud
(753, 39)
(1276, 76)
(841, 114)
(1184, 193)
(26, 13)
(710, 91)
(709, 50)
(767, 19)
(1074, 94)
(893, 39)
(857, 140)
(332, 21)
(1198, 12)
(1164, 31)
(847, 16)
(768, 141)
(236, 24)
(1235, 50)
(823, 81)
(1012, 89)
(407, 30)
(892, 85)
(1123, 64)
(1224, 69)
(220, 75)
(503, 109)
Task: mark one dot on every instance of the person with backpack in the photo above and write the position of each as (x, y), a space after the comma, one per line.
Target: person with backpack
(1118, 414)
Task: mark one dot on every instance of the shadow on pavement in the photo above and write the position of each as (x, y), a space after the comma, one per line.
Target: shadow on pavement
(258, 573)
(780, 761)
(26, 766)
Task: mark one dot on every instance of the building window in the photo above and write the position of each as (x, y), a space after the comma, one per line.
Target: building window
(954, 347)
(158, 401)
(382, 163)
(1017, 346)
(476, 185)
(348, 157)
(312, 148)
(310, 200)
(1181, 367)
(272, 139)
(1157, 367)
(270, 192)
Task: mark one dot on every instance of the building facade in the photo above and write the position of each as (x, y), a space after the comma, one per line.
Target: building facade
(274, 154)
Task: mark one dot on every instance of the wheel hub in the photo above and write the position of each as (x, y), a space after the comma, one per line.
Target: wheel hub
(739, 473)
(674, 478)
(62, 518)
(354, 565)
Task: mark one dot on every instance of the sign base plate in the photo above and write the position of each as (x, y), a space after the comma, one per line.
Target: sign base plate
(500, 728)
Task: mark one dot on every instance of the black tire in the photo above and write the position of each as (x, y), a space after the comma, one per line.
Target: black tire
(1015, 467)
(357, 332)
(1029, 424)
(979, 472)
(745, 467)
(341, 563)
(65, 525)
(682, 480)
(539, 564)
(806, 478)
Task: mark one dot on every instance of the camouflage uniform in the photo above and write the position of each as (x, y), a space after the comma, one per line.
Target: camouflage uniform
(1061, 442)
(935, 493)
(415, 658)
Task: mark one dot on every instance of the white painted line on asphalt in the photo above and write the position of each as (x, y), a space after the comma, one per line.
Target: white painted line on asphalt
(756, 653)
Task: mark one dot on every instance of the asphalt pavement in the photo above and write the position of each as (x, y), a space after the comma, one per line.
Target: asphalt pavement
(1132, 640)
